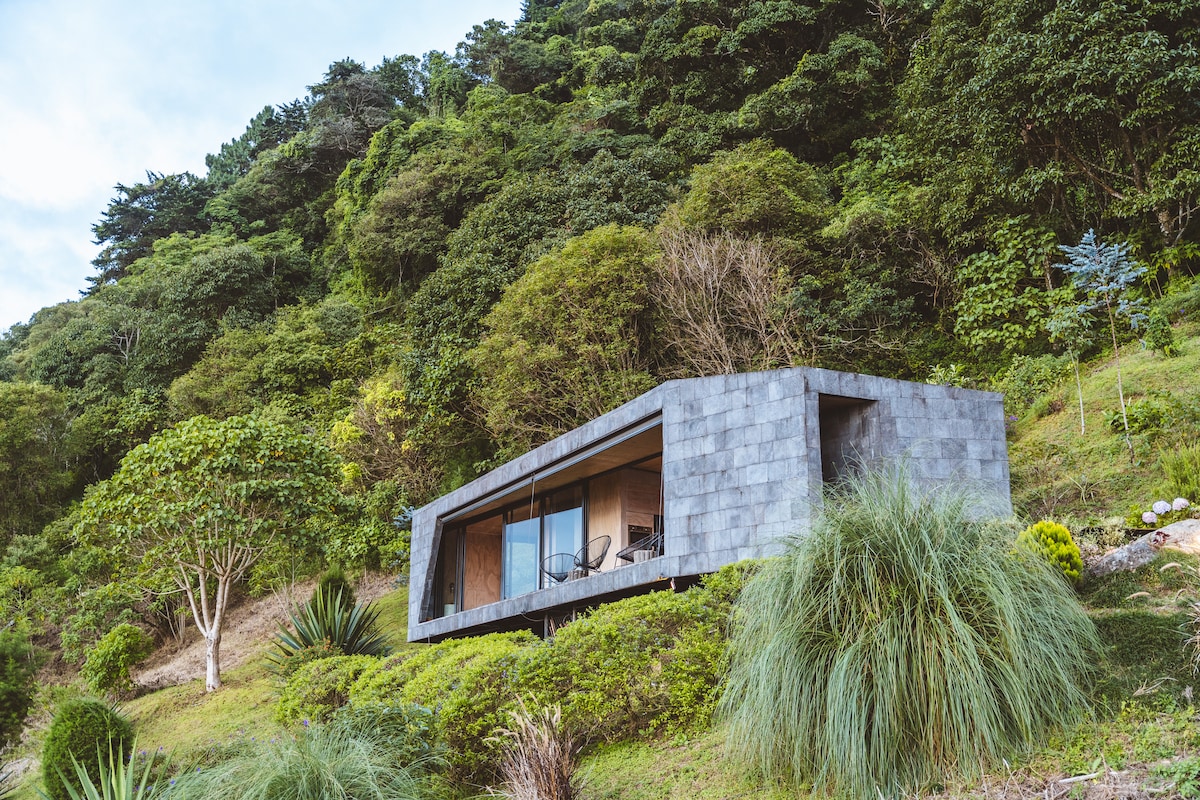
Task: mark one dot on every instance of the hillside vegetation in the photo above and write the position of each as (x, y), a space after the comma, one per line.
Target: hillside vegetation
(427, 266)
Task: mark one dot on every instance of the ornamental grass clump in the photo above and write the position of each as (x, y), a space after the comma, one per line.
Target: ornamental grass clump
(900, 643)
(542, 757)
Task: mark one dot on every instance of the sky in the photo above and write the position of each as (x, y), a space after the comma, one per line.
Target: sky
(96, 92)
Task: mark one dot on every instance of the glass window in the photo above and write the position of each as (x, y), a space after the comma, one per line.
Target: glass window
(519, 572)
(445, 596)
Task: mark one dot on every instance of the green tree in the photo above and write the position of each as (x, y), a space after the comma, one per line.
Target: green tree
(142, 214)
(1080, 110)
(37, 457)
(1105, 274)
(568, 341)
(204, 501)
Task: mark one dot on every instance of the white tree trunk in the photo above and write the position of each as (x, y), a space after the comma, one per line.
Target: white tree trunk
(212, 660)
(209, 614)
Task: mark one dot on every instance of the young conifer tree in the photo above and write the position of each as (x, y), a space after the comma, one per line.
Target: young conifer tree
(1105, 274)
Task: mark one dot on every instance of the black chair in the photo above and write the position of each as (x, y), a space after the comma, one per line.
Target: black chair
(591, 555)
(558, 567)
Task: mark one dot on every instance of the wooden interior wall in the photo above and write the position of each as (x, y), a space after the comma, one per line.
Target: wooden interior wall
(481, 568)
(643, 494)
(606, 512)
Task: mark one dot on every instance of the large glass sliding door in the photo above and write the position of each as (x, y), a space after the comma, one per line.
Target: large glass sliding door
(519, 571)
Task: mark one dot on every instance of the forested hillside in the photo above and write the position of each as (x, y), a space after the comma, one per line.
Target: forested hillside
(431, 264)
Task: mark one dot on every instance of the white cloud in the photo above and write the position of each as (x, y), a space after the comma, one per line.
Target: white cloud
(96, 93)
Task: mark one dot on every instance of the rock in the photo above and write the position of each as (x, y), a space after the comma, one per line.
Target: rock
(1126, 557)
(1182, 536)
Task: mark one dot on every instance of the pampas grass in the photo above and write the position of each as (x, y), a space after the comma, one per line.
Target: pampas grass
(900, 642)
(542, 759)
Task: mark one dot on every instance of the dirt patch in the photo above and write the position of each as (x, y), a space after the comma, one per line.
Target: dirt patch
(250, 625)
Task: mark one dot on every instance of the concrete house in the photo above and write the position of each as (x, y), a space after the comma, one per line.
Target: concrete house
(690, 476)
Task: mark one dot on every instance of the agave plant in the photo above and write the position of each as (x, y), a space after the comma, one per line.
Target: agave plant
(6, 787)
(117, 779)
(324, 622)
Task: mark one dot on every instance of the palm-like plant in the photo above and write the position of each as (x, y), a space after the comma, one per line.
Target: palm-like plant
(6, 787)
(117, 779)
(324, 621)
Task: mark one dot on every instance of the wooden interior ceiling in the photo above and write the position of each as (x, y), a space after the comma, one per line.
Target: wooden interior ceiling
(643, 450)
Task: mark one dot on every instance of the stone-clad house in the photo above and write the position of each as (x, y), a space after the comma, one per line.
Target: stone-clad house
(688, 477)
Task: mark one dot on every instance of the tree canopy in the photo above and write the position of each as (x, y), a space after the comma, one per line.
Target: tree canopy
(200, 503)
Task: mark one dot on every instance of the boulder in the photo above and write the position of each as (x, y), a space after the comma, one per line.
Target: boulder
(1182, 536)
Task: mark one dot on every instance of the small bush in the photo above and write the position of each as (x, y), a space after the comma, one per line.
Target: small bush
(1031, 380)
(316, 689)
(470, 682)
(1159, 336)
(1053, 542)
(898, 642)
(82, 729)
(333, 585)
(285, 665)
(17, 668)
(642, 664)
(106, 668)
(1150, 414)
(1182, 468)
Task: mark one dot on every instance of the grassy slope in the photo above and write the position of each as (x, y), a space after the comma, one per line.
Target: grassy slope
(1057, 472)
(1050, 461)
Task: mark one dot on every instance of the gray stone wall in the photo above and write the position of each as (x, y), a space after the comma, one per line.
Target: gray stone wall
(745, 461)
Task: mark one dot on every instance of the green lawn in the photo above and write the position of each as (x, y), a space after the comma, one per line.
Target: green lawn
(1057, 472)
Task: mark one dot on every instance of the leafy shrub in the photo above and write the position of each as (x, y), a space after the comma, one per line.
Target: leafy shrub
(1053, 541)
(469, 682)
(96, 612)
(285, 665)
(334, 585)
(106, 668)
(317, 689)
(641, 664)
(900, 641)
(1182, 468)
(1159, 336)
(1029, 381)
(81, 730)
(326, 623)
(1150, 414)
(17, 668)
